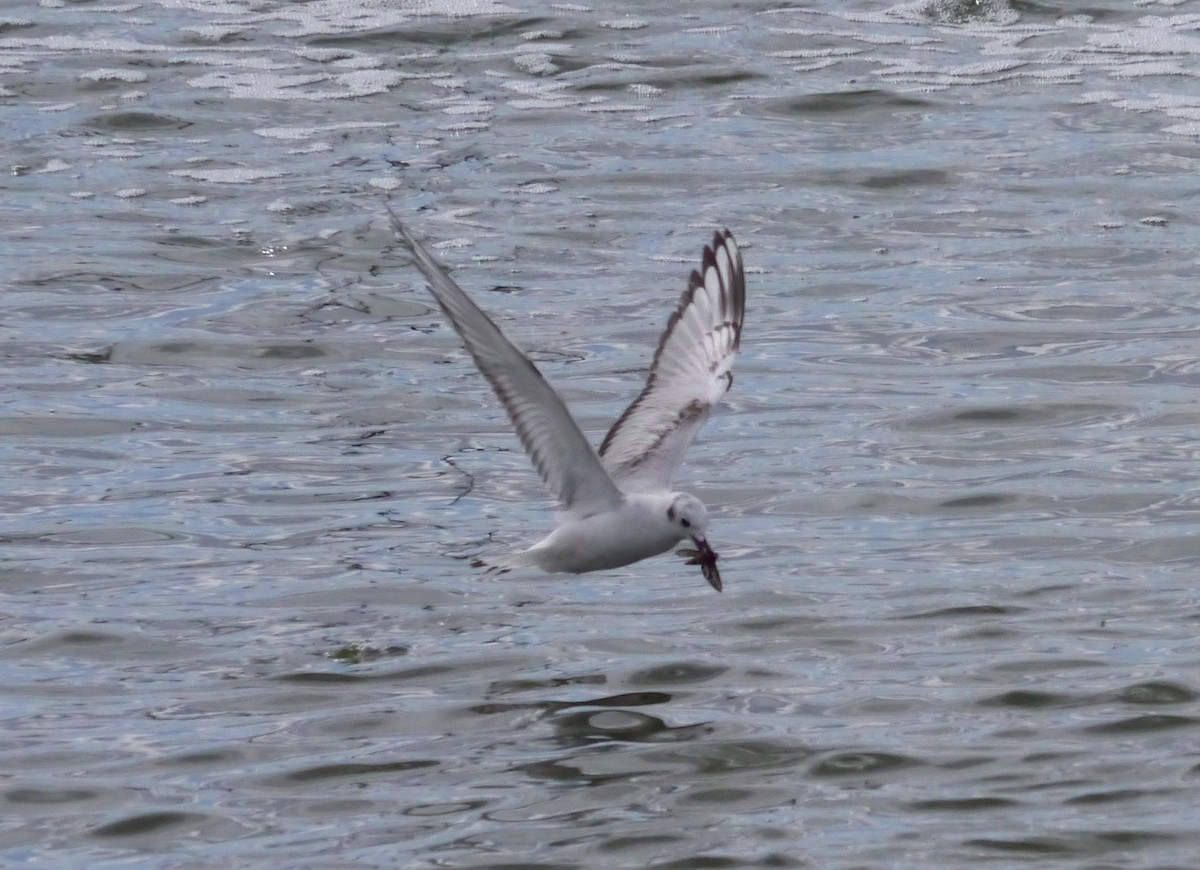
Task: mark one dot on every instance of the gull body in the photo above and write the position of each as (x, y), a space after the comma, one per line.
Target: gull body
(617, 505)
(641, 526)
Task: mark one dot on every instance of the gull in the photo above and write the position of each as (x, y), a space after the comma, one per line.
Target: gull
(617, 505)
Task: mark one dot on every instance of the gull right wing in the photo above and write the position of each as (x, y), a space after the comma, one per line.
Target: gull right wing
(692, 370)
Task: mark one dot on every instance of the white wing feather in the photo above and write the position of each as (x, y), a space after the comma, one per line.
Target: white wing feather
(563, 457)
(691, 371)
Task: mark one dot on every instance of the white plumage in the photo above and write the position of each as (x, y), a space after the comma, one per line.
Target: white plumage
(617, 505)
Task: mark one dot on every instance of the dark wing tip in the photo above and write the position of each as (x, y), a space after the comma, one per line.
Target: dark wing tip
(737, 290)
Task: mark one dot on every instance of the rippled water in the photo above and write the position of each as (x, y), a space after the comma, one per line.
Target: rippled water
(245, 464)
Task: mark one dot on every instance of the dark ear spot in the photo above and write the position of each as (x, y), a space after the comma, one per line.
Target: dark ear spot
(671, 513)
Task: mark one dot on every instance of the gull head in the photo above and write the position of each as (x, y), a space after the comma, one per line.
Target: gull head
(690, 515)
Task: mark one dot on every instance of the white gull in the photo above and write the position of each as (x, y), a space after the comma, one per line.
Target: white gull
(616, 505)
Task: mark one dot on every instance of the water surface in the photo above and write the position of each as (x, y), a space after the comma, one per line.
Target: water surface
(246, 464)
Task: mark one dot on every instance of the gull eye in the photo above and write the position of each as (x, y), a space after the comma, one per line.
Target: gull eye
(686, 523)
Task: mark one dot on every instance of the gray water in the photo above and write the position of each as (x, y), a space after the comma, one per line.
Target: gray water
(246, 464)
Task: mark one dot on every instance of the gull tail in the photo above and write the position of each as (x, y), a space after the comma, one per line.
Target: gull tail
(503, 563)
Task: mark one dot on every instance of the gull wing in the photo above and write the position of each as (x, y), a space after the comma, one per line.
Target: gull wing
(562, 455)
(691, 371)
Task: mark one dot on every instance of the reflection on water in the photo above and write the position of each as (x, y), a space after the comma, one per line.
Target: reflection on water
(246, 464)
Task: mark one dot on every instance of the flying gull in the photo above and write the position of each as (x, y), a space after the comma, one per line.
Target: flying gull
(617, 505)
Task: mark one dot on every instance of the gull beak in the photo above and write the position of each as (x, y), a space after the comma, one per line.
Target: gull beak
(706, 557)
